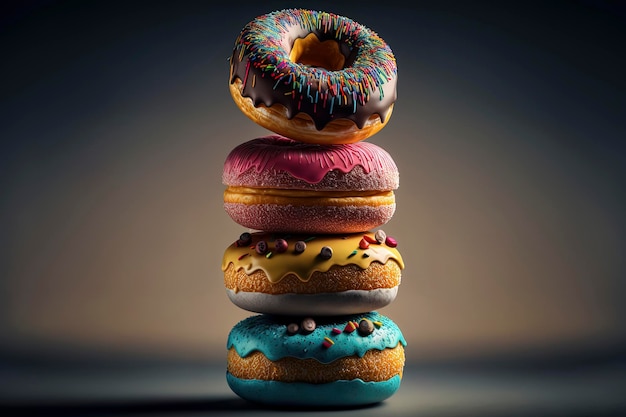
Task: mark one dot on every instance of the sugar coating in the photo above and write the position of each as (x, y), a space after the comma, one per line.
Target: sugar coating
(309, 219)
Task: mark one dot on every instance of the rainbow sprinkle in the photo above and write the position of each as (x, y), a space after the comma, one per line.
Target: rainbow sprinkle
(328, 342)
(350, 327)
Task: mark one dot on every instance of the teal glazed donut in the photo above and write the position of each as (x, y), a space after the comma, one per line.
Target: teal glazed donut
(313, 76)
(327, 361)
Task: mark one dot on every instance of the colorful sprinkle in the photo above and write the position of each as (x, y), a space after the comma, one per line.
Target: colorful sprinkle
(328, 342)
(350, 327)
(369, 239)
(336, 330)
(364, 244)
(391, 242)
(354, 252)
(242, 256)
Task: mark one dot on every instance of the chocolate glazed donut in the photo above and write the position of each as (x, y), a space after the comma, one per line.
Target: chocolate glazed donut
(313, 76)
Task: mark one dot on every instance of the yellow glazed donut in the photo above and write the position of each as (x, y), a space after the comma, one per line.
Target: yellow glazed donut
(322, 275)
(313, 76)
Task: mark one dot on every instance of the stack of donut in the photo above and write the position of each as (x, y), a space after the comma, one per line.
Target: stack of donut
(313, 263)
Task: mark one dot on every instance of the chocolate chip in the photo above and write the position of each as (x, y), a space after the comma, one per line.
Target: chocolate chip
(292, 328)
(366, 327)
(380, 236)
(261, 247)
(281, 245)
(326, 252)
(245, 239)
(299, 247)
(308, 324)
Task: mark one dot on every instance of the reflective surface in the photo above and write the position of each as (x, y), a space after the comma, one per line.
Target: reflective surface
(588, 386)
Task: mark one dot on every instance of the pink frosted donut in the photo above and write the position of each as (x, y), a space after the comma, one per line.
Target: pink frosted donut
(282, 185)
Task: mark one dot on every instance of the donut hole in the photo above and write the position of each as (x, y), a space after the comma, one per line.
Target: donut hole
(312, 52)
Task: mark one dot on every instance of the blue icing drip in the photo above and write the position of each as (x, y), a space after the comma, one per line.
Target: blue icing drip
(338, 393)
(268, 334)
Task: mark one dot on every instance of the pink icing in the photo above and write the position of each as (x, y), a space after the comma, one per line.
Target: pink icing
(306, 161)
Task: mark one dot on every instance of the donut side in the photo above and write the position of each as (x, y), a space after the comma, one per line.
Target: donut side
(341, 393)
(306, 216)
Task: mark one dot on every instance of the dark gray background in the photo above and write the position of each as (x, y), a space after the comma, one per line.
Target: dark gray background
(115, 119)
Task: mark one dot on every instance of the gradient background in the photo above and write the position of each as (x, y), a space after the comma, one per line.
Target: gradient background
(509, 129)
